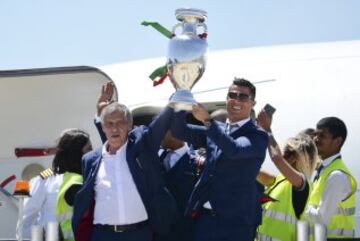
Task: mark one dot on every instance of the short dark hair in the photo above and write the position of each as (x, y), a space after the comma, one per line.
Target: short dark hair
(70, 151)
(245, 83)
(335, 126)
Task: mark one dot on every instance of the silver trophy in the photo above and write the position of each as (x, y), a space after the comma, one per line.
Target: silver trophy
(186, 58)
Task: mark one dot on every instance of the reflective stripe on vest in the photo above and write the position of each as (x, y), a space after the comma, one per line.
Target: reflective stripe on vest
(342, 223)
(338, 232)
(345, 211)
(279, 216)
(64, 212)
(64, 216)
(341, 211)
(263, 237)
(342, 232)
(68, 234)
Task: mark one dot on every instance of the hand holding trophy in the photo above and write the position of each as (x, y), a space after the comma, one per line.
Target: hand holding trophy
(186, 58)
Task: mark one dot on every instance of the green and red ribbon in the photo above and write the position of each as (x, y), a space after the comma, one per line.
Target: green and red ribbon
(164, 31)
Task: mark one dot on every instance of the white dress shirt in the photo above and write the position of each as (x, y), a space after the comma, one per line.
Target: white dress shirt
(242, 140)
(39, 209)
(117, 200)
(337, 189)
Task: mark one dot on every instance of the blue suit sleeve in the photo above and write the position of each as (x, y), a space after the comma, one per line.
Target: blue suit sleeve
(100, 131)
(232, 148)
(84, 167)
(86, 162)
(157, 129)
(193, 134)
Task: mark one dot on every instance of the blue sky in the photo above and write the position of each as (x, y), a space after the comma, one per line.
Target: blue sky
(50, 33)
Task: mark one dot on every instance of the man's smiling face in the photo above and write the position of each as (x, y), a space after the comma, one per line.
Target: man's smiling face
(239, 103)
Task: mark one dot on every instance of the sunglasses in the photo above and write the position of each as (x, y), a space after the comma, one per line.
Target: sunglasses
(238, 96)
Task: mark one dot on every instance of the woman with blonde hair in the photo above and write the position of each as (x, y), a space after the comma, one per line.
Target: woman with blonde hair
(289, 191)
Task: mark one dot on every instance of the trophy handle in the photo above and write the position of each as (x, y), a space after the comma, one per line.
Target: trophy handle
(177, 26)
(200, 26)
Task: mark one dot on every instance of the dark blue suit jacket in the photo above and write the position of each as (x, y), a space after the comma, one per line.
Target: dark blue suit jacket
(228, 178)
(143, 161)
(180, 181)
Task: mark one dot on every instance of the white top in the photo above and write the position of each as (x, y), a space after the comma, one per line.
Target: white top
(117, 200)
(242, 140)
(337, 189)
(39, 209)
(174, 156)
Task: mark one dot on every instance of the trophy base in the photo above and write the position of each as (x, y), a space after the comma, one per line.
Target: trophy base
(182, 100)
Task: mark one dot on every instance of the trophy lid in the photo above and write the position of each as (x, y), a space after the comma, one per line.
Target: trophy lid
(184, 13)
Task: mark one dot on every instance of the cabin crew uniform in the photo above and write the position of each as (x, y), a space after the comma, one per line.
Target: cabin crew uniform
(226, 193)
(39, 209)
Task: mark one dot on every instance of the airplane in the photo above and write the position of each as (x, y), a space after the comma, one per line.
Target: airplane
(304, 82)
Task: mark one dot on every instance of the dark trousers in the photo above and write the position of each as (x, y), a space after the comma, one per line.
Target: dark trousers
(181, 230)
(102, 234)
(212, 228)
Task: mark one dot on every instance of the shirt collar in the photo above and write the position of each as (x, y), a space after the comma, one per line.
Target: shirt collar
(239, 123)
(328, 160)
(182, 150)
(118, 152)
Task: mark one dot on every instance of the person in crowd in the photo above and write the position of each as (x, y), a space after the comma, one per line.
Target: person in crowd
(225, 198)
(39, 209)
(289, 191)
(123, 196)
(179, 170)
(177, 166)
(72, 146)
(182, 166)
(332, 200)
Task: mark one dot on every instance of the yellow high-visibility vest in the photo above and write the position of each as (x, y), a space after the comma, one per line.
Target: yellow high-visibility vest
(342, 224)
(64, 212)
(278, 218)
